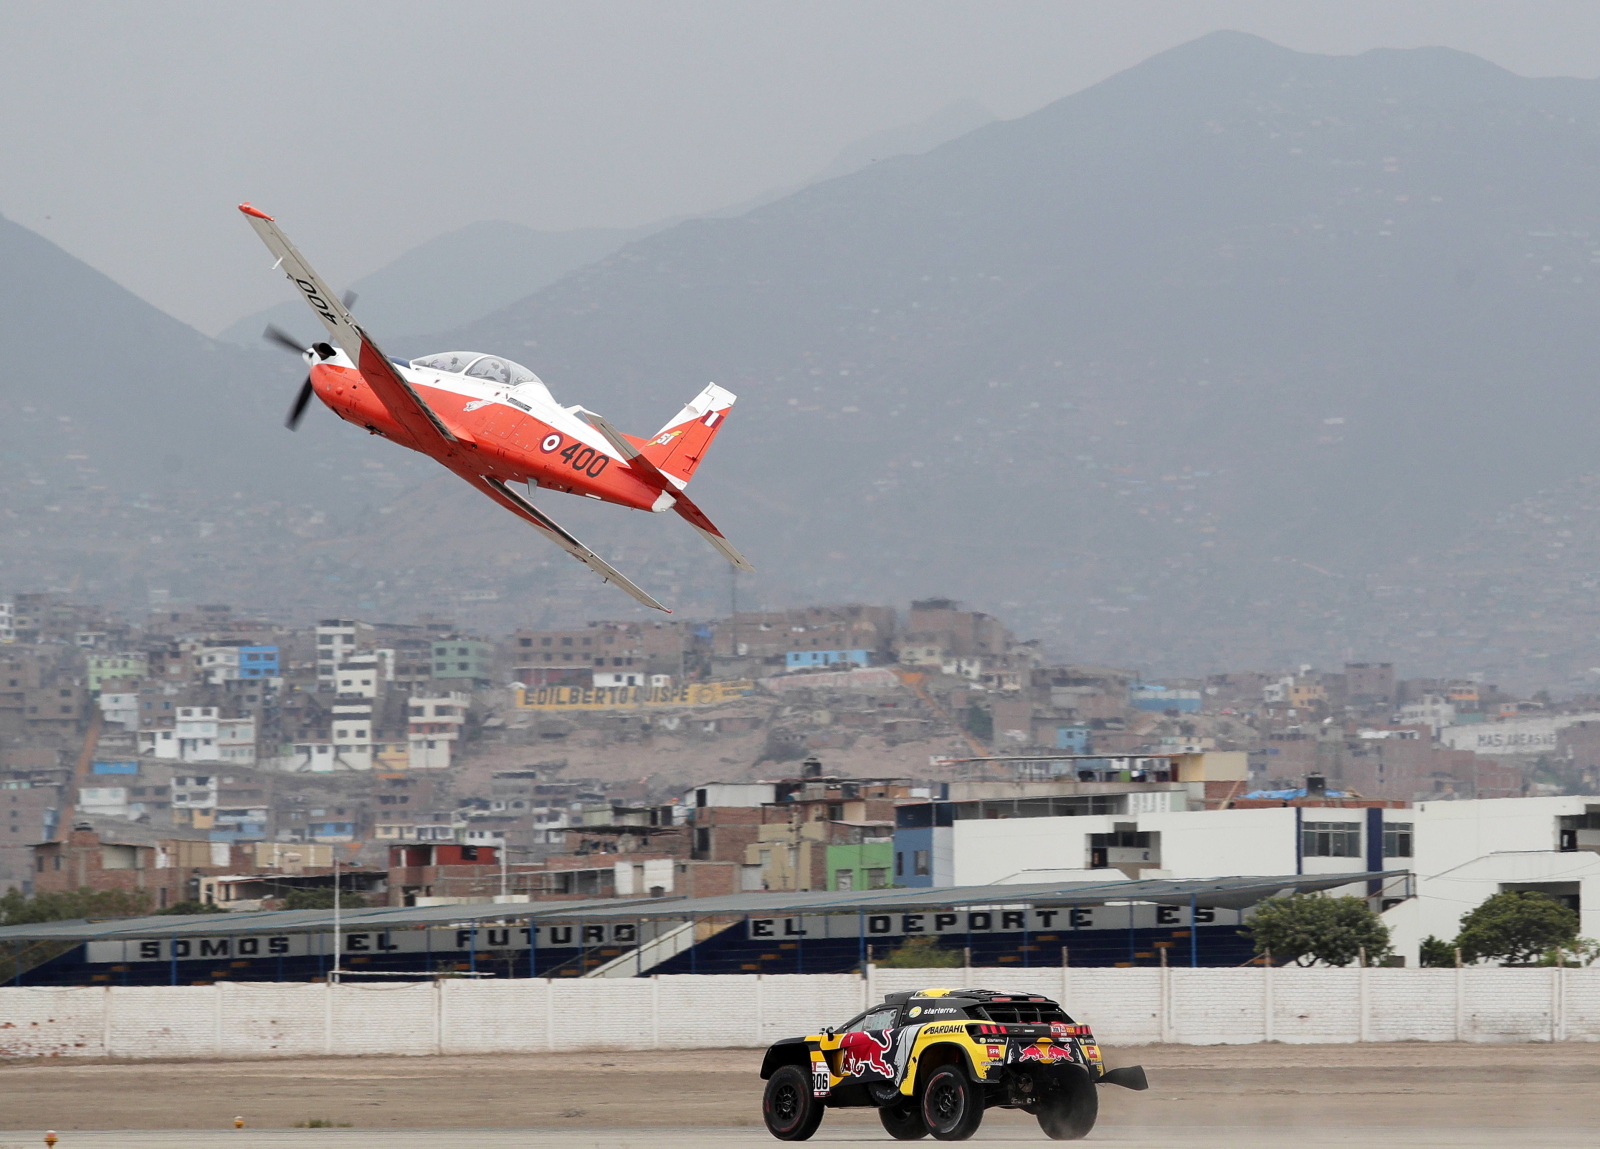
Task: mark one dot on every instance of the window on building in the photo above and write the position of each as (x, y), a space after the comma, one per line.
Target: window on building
(844, 879)
(1330, 840)
(921, 861)
(544, 642)
(524, 642)
(1397, 839)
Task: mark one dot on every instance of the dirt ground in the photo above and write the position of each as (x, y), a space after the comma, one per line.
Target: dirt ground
(1280, 1086)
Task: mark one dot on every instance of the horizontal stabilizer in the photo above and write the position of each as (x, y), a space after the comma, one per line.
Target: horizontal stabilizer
(685, 507)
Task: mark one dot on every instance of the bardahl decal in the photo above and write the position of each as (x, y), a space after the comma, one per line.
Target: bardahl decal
(945, 1028)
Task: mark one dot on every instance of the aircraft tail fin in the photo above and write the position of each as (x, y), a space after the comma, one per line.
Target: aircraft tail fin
(677, 449)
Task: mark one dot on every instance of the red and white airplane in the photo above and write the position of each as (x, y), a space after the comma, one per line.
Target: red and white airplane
(494, 423)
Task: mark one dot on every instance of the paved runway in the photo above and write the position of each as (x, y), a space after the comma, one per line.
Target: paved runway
(1122, 1137)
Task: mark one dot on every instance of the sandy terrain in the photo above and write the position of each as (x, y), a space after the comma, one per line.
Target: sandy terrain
(1268, 1087)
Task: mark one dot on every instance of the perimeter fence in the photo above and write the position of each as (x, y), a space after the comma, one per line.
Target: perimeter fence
(1125, 1007)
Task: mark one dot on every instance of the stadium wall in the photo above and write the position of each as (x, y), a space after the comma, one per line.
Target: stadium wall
(1125, 1006)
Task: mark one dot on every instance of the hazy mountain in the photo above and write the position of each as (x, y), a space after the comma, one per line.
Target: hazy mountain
(1242, 357)
(133, 443)
(1164, 369)
(461, 276)
(455, 278)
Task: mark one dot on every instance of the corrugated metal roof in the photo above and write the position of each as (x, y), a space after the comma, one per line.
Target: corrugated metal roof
(1221, 893)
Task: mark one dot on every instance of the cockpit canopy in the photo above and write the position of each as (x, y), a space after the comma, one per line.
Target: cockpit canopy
(488, 368)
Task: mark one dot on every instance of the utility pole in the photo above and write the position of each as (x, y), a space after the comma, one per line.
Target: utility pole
(337, 941)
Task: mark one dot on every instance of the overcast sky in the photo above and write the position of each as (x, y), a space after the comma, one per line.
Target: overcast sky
(131, 130)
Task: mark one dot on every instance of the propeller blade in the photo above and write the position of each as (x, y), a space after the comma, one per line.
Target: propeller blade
(275, 334)
(349, 299)
(299, 408)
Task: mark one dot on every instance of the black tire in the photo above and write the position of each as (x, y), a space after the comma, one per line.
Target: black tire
(951, 1106)
(789, 1109)
(1068, 1111)
(903, 1120)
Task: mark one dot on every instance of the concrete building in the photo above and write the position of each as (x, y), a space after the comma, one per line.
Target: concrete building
(463, 662)
(433, 727)
(336, 641)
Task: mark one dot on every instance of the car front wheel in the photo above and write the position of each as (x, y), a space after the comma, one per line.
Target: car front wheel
(951, 1105)
(903, 1120)
(789, 1109)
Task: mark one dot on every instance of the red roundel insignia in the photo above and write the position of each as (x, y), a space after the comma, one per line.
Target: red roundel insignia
(551, 442)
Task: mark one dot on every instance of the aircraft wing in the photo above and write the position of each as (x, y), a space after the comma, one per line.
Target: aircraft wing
(522, 508)
(406, 407)
(653, 475)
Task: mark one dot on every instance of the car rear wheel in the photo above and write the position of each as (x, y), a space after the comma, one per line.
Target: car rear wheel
(903, 1120)
(951, 1106)
(789, 1109)
(1068, 1111)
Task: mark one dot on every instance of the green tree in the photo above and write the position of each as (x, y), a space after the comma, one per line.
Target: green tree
(979, 722)
(1516, 927)
(1436, 952)
(922, 953)
(17, 909)
(1308, 928)
(321, 899)
(1579, 951)
(192, 906)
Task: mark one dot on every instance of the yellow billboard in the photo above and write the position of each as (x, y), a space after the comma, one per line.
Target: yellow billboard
(628, 697)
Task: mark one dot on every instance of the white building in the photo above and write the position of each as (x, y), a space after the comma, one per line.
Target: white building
(434, 724)
(363, 675)
(8, 622)
(1466, 851)
(1431, 710)
(121, 709)
(336, 642)
(236, 741)
(352, 735)
(195, 792)
(652, 877)
(1455, 854)
(219, 663)
(107, 801)
(309, 758)
(199, 735)
(731, 794)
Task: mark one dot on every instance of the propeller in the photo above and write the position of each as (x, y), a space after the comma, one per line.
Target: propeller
(276, 334)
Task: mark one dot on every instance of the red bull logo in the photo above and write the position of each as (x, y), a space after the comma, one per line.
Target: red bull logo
(861, 1054)
(1048, 1054)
